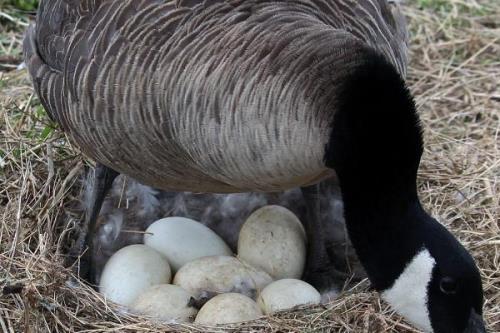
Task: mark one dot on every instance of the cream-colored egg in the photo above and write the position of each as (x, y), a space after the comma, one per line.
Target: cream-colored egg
(286, 294)
(207, 276)
(227, 309)
(131, 271)
(274, 240)
(166, 302)
(182, 240)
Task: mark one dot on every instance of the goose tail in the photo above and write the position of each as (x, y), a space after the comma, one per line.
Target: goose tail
(55, 23)
(43, 76)
(45, 46)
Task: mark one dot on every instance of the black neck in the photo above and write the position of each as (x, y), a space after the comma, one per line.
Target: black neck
(386, 238)
(375, 149)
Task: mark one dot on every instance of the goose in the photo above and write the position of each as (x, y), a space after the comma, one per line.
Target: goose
(231, 96)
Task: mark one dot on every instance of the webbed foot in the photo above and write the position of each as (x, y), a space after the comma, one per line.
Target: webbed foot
(83, 249)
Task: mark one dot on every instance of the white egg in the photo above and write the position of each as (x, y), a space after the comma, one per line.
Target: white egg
(182, 240)
(286, 294)
(227, 309)
(207, 276)
(131, 271)
(166, 302)
(274, 240)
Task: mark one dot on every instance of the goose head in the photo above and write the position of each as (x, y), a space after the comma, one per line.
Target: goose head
(435, 284)
(415, 263)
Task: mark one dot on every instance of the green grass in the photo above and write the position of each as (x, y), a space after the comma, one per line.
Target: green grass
(14, 15)
(435, 5)
(462, 8)
(27, 5)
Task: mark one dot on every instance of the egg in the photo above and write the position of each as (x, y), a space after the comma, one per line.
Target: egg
(228, 309)
(286, 294)
(182, 240)
(131, 271)
(166, 302)
(207, 276)
(274, 240)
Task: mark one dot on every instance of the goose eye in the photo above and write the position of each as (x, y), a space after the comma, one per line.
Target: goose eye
(448, 285)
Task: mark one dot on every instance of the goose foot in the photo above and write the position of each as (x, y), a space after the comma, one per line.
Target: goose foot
(325, 279)
(320, 271)
(83, 250)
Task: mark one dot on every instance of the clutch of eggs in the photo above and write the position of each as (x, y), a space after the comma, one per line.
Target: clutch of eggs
(212, 286)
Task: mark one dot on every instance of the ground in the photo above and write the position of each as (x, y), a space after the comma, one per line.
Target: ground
(455, 77)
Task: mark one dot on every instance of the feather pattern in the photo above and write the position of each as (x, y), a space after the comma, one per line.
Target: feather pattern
(205, 96)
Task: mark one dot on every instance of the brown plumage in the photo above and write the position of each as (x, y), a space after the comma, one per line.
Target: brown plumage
(261, 95)
(205, 96)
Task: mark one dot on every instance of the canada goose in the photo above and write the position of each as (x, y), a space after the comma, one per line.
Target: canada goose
(261, 95)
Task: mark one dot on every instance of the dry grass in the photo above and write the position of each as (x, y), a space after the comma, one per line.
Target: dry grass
(454, 75)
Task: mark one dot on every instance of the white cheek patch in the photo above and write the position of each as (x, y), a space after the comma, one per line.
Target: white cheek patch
(408, 294)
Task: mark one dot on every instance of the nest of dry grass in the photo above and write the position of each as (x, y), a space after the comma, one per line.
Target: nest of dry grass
(454, 75)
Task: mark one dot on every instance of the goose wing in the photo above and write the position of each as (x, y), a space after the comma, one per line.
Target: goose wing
(68, 36)
(385, 20)
(203, 95)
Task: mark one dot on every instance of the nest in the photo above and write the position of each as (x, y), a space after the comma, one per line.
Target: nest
(454, 76)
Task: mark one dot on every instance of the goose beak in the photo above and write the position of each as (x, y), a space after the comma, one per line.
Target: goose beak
(476, 323)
